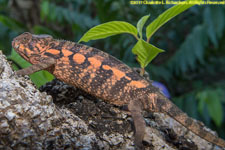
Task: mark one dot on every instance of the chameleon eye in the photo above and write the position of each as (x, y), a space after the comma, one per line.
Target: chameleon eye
(17, 46)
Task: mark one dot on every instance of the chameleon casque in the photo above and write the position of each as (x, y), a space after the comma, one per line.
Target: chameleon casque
(103, 76)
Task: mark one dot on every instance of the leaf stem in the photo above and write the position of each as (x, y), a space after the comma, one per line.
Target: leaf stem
(136, 37)
(148, 40)
(142, 71)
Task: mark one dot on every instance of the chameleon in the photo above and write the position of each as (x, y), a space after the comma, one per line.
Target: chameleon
(104, 77)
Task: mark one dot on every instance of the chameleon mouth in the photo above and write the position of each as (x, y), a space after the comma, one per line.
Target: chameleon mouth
(14, 45)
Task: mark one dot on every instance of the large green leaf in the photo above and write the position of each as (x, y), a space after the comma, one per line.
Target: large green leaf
(39, 78)
(145, 52)
(141, 23)
(108, 29)
(165, 17)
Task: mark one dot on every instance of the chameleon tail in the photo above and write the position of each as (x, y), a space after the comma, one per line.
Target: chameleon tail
(173, 111)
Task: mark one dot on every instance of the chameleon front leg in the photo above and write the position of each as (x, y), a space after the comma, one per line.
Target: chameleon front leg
(44, 63)
(139, 122)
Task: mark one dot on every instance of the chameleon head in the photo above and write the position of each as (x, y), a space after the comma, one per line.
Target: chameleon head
(29, 45)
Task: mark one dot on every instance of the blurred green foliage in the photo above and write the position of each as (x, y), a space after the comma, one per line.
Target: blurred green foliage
(192, 67)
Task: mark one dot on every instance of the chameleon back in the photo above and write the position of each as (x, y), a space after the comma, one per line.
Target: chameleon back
(98, 73)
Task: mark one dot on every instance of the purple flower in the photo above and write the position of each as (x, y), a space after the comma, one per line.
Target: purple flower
(162, 88)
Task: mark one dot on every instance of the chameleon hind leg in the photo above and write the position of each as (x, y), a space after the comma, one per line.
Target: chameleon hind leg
(139, 122)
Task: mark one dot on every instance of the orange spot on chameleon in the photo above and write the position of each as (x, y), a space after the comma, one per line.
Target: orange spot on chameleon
(106, 67)
(118, 74)
(78, 58)
(66, 52)
(65, 60)
(92, 76)
(21, 46)
(137, 84)
(94, 62)
(81, 74)
(40, 47)
(53, 51)
(128, 78)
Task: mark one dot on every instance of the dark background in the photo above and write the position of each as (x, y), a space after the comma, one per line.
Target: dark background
(192, 68)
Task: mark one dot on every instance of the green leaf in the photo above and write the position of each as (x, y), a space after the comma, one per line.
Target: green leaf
(201, 96)
(108, 29)
(44, 9)
(11, 23)
(210, 26)
(218, 19)
(145, 52)
(165, 17)
(201, 106)
(141, 23)
(212, 100)
(39, 78)
(215, 108)
(214, 22)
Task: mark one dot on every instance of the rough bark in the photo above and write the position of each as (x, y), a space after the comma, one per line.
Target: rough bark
(72, 119)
